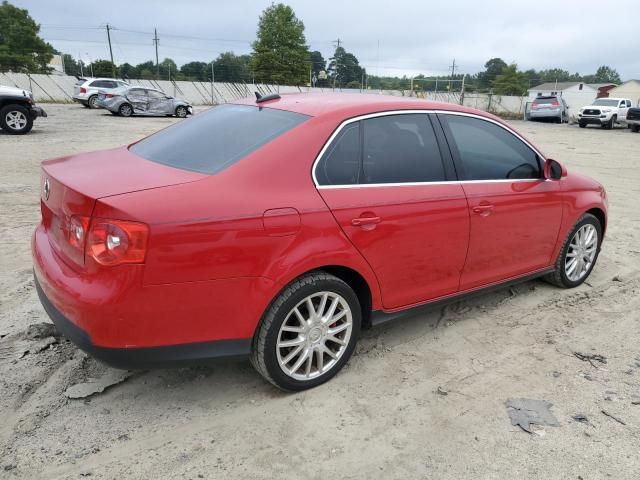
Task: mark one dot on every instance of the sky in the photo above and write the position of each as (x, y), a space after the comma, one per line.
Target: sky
(388, 37)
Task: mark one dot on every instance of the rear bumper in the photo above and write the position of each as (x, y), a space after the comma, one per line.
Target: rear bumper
(545, 114)
(149, 357)
(114, 315)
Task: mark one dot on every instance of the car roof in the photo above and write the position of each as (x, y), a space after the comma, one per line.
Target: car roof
(353, 104)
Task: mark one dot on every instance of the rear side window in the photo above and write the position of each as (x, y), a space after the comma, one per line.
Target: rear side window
(214, 140)
(400, 149)
(340, 163)
(489, 152)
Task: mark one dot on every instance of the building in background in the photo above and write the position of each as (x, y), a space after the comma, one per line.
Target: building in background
(576, 94)
(630, 90)
(56, 65)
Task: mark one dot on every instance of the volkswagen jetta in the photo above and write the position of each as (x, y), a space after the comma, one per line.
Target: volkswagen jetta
(278, 228)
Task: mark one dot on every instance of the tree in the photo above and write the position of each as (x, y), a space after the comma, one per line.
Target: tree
(168, 69)
(126, 70)
(344, 69)
(20, 46)
(280, 52)
(493, 68)
(71, 66)
(510, 81)
(200, 71)
(100, 68)
(318, 64)
(229, 67)
(606, 74)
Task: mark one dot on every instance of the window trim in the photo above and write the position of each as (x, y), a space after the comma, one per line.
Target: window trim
(358, 118)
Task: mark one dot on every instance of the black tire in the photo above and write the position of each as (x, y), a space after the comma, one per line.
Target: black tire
(612, 122)
(582, 125)
(559, 277)
(8, 115)
(635, 128)
(91, 102)
(181, 111)
(263, 351)
(125, 110)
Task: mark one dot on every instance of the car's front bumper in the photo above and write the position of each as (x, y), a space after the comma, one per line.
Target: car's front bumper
(38, 112)
(593, 120)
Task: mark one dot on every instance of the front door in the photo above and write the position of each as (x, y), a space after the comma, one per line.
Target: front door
(389, 189)
(138, 99)
(515, 213)
(159, 103)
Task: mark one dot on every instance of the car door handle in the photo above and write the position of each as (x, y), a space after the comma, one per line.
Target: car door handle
(483, 209)
(362, 221)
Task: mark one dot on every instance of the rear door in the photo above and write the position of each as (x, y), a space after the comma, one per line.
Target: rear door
(394, 195)
(515, 213)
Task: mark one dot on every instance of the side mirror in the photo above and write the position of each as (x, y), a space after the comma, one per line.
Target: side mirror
(554, 170)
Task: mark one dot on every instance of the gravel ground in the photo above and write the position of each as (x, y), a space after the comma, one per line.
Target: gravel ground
(422, 398)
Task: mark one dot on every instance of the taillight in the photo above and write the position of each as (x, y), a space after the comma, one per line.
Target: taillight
(113, 242)
(555, 104)
(83, 90)
(108, 95)
(77, 232)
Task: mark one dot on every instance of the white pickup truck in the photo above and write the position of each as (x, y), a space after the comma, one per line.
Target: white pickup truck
(605, 112)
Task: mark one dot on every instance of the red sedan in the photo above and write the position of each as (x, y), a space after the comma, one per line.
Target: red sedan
(278, 228)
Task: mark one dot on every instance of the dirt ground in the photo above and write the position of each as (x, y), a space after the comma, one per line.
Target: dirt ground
(423, 398)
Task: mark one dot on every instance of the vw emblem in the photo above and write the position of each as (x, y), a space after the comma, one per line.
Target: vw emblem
(46, 189)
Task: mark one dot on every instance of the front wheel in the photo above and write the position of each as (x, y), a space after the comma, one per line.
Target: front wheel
(16, 120)
(612, 122)
(578, 254)
(635, 128)
(582, 125)
(181, 111)
(308, 333)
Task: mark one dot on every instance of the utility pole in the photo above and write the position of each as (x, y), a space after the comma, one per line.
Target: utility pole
(113, 65)
(453, 72)
(155, 41)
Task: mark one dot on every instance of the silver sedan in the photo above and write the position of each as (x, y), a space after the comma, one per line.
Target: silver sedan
(129, 101)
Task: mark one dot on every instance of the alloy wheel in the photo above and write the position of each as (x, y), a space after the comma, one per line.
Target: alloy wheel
(314, 335)
(16, 120)
(581, 252)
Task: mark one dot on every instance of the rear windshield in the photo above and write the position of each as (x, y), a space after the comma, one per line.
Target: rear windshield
(545, 100)
(212, 141)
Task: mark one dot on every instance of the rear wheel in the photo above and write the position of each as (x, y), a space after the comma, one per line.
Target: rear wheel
(181, 111)
(308, 333)
(16, 120)
(93, 101)
(125, 110)
(578, 254)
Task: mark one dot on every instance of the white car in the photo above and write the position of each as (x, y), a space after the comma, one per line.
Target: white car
(605, 112)
(86, 90)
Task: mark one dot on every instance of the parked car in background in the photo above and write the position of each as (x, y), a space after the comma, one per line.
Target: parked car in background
(142, 101)
(549, 108)
(605, 112)
(277, 228)
(86, 90)
(633, 119)
(18, 110)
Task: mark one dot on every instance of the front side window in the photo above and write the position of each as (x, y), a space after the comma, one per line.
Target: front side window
(212, 141)
(154, 94)
(400, 149)
(489, 152)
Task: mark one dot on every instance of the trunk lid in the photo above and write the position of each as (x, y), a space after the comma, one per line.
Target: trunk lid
(71, 185)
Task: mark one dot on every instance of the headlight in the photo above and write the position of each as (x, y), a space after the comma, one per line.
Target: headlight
(581, 110)
(606, 110)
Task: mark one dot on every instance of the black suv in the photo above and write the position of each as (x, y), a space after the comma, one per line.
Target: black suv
(17, 111)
